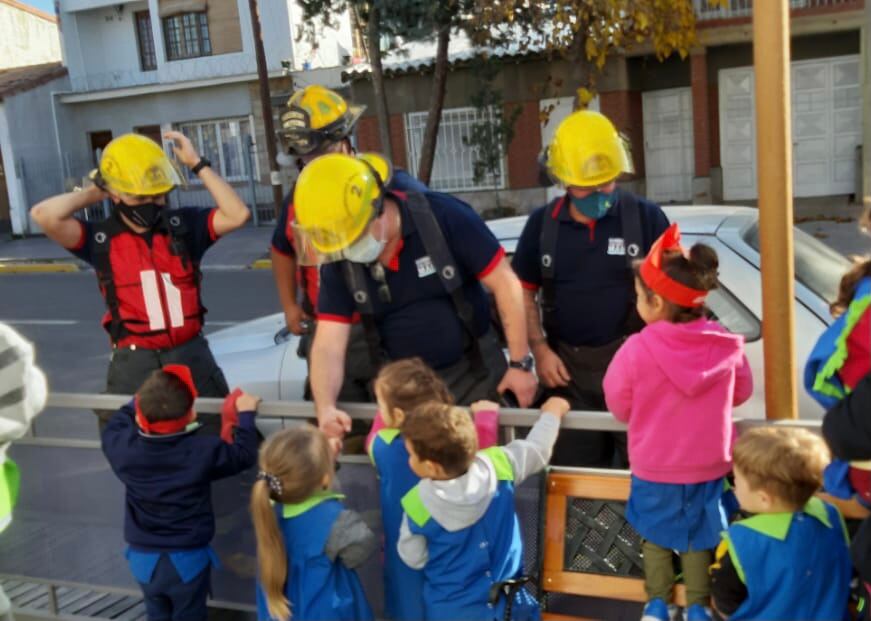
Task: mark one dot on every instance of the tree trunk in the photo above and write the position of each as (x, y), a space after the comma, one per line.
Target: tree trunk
(580, 73)
(437, 100)
(373, 42)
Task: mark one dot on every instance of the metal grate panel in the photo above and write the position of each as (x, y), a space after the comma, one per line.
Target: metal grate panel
(599, 540)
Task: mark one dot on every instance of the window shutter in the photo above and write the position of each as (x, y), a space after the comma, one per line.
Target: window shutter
(168, 8)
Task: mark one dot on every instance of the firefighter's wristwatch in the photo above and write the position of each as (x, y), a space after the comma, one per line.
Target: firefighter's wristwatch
(200, 165)
(524, 364)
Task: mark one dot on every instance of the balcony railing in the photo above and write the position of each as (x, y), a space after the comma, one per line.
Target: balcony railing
(706, 10)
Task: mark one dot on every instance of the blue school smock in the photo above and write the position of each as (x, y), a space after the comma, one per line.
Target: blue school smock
(794, 565)
(464, 564)
(318, 589)
(680, 516)
(403, 586)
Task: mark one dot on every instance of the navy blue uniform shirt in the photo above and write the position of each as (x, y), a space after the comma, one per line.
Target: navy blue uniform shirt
(593, 287)
(168, 479)
(421, 319)
(199, 221)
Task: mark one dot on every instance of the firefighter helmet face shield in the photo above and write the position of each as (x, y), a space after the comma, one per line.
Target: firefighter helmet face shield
(134, 165)
(587, 151)
(317, 117)
(336, 198)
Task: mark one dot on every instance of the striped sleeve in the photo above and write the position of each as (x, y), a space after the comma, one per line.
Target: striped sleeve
(23, 388)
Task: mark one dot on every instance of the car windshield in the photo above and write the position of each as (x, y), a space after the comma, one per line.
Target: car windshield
(817, 266)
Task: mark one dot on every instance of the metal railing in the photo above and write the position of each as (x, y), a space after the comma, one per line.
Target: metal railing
(276, 412)
(707, 10)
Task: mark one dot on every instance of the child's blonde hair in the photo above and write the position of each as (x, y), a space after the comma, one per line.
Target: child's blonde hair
(443, 434)
(409, 383)
(786, 462)
(293, 464)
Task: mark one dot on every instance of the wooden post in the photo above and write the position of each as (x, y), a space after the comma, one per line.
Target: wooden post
(774, 176)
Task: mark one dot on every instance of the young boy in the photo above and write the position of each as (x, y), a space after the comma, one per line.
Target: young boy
(790, 560)
(167, 469)
(459, 524)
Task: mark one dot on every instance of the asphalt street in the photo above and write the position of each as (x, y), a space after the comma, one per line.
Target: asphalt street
(61, 314)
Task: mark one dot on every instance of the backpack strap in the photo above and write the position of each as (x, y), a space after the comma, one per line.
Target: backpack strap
(436, 246)
(630, 218)
(180, 244)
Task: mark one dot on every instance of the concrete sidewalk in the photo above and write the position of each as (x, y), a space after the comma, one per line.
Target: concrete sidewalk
(241, 249)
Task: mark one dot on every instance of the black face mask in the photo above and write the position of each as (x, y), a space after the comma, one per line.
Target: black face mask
(145, 215)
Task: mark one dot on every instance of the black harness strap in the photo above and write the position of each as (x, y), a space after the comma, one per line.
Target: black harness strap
(439, 252)
(633, 243)
(355, 278)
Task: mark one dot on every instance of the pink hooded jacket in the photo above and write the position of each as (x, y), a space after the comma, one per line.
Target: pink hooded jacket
(675, 385)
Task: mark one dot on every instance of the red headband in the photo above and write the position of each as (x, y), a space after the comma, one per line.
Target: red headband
(661, 283)
(174, 425)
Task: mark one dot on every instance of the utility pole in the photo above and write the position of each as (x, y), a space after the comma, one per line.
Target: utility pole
(266, 103)
(865, 164)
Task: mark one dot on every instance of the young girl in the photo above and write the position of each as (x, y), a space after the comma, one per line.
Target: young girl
(675, 384)
(307, 543)
(400, 388)
(839, 360)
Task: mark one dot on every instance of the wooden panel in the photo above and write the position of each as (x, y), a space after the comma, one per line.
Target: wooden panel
(168, 8)
(549, 616)
(608, 587)
(554, 533)
(224, 30)
(598, 486)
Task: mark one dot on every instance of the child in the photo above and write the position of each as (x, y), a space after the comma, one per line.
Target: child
(167, 469)
(839, 360)
(402, 387)
(459, 524)
(675, 384)
(307, 543)
(23, 391)
(790, 560)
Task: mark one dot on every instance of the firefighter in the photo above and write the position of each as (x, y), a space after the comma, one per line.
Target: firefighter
(575, 262)
(409, 267)
(147, 257)
(319, 121)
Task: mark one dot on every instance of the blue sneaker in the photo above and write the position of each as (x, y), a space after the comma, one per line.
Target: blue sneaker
(656, 610)
(697, 612)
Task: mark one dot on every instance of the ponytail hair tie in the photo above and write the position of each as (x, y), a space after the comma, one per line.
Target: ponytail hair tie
(272, 481)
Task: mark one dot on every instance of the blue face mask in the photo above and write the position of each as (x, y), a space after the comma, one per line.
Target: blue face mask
(594, 205)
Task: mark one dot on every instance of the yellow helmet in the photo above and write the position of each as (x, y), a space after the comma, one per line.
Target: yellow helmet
(317, 116)
(587, 151)
(336, 197)
(136, 165)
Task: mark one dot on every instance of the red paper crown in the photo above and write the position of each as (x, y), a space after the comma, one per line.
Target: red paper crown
(175, 425)
(661, 283)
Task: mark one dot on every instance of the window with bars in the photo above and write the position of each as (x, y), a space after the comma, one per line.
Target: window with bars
(145, 38)
(187, 36)
(454, 162)
(223, 142)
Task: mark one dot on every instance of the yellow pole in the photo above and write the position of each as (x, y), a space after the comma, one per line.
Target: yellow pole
(774, 175)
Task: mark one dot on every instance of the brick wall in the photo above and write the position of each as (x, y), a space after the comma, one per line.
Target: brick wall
(624, 110)
(701, 116)
(525, 147)
(369, 139)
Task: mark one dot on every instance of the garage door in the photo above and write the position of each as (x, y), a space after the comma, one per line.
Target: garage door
(668, 144)
(826, 128)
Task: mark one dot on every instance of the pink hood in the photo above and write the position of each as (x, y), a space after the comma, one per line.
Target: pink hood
(675, 385)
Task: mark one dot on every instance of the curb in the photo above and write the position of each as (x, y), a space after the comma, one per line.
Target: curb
(261, 264)
(29, 267)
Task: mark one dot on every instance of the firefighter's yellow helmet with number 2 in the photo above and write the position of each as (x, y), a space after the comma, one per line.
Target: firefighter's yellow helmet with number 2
(336, 197)
(587, 151)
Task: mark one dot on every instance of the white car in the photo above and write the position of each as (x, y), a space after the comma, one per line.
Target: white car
(261, 357)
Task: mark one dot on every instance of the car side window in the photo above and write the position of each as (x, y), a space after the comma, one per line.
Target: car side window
(733, 315)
